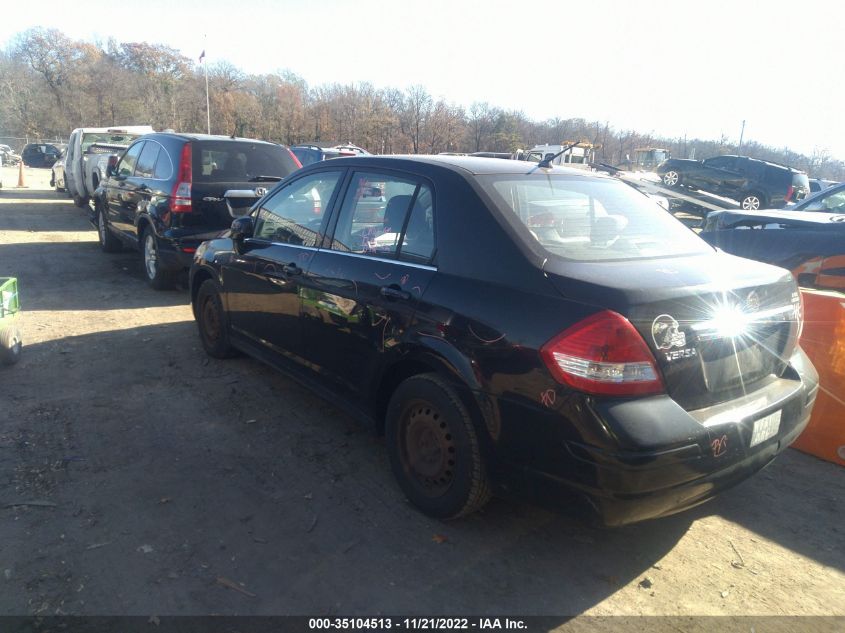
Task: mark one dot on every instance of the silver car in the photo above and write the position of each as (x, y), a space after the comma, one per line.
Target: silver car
(57, 180)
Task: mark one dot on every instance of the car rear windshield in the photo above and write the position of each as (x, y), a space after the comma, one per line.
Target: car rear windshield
(104, 137)
(589, 219)
(240, 161)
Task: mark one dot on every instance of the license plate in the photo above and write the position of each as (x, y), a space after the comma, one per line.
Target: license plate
(765, 427)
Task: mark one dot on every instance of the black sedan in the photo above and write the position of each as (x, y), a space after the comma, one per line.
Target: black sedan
(512, 328)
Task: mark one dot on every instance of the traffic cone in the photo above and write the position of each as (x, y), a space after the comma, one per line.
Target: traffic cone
(21, 181)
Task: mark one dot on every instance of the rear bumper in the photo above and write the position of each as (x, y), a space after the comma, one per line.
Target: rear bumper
(658, 459)
(177, 247)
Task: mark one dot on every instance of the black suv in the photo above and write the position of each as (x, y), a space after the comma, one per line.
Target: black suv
(510, 327)
(42, 154)
(168, 192)
(755, 184)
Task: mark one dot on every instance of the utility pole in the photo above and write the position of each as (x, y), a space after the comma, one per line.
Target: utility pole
(741, 134)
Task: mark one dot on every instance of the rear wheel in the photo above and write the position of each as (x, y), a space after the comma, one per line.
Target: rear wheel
(212, 322)
(157, 275)
(108, 242)
(10, 346)
(752, 202)
(671, 178)
(433, 448)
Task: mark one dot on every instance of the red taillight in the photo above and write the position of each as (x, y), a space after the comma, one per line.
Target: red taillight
(181, 196)
(605, 355)
(789, 193)
(188, 249)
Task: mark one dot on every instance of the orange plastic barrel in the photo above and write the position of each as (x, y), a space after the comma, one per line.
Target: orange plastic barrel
(824, 341)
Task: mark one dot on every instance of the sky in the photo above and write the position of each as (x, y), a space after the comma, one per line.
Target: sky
(671, 68)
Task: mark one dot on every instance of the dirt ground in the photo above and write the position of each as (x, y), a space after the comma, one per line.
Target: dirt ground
(171, 483)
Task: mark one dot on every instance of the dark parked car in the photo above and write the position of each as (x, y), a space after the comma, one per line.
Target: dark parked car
(309, 154)
(516, 329)
(41, 154)
(755, 184)
(810, 243)
(168, 192)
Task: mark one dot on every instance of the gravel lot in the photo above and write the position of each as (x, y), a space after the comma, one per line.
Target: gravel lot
(171, 483)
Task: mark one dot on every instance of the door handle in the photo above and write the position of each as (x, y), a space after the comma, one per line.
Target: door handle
(291, 269)
(394, 292)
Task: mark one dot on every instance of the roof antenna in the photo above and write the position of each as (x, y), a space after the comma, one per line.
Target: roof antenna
(547, 162)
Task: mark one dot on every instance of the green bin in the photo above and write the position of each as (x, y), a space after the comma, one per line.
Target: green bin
(10, 336)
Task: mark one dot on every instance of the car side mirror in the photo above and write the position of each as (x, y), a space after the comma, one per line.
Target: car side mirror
(111, 166)
(242, 228)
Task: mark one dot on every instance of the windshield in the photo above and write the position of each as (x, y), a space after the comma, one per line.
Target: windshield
(590, 219)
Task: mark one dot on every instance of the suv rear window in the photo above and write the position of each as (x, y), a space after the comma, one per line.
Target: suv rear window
(235, 161)
(590, 219)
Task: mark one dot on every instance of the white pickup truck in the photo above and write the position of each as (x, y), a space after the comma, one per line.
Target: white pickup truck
(88, 153)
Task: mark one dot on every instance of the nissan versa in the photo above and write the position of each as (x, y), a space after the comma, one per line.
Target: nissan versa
(515, 328)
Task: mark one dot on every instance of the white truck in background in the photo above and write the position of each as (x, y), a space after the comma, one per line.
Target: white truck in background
(87, 156)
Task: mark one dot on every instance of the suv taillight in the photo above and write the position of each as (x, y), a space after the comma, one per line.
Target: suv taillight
(789, 193)
(605, 355)
(181, 196)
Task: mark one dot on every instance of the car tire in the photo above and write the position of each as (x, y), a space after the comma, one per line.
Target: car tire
(434, 450)
(752, 202)
(212, 323)
(108, 242)
(672, 178)
(159, 277)
(80, 201)
(10, 346)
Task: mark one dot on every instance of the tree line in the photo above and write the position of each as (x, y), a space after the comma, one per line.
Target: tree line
(51, 83)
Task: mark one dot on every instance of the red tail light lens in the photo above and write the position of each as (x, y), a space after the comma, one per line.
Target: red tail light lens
(789, 193)
(604, 355)
(181, 195)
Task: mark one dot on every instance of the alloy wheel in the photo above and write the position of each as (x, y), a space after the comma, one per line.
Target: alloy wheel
(101, 227)
(150, 256)
(751, 203)
(671, 178)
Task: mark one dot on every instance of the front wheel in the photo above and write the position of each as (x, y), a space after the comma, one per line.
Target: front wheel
(434, 450)
(80, 201)
(157, 275)
(212, 322)
(108, 242)
(751, 202)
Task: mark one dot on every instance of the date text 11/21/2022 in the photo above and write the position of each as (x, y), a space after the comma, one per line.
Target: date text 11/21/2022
(416, 624)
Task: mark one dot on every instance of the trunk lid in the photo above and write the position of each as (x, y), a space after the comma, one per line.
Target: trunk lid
(718, 325)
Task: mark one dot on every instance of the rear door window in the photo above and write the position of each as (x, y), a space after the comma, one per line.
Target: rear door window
(294, 214)
(385, 215)
(147, 160)
(126, 166)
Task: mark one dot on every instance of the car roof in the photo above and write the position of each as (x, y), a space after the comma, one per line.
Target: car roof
(760, 160)
(208, 137)
(474, 165)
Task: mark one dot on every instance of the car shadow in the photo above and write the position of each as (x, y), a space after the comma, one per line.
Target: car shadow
(796, 502)
(64, 276)
(45, 211)
(190, 470)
